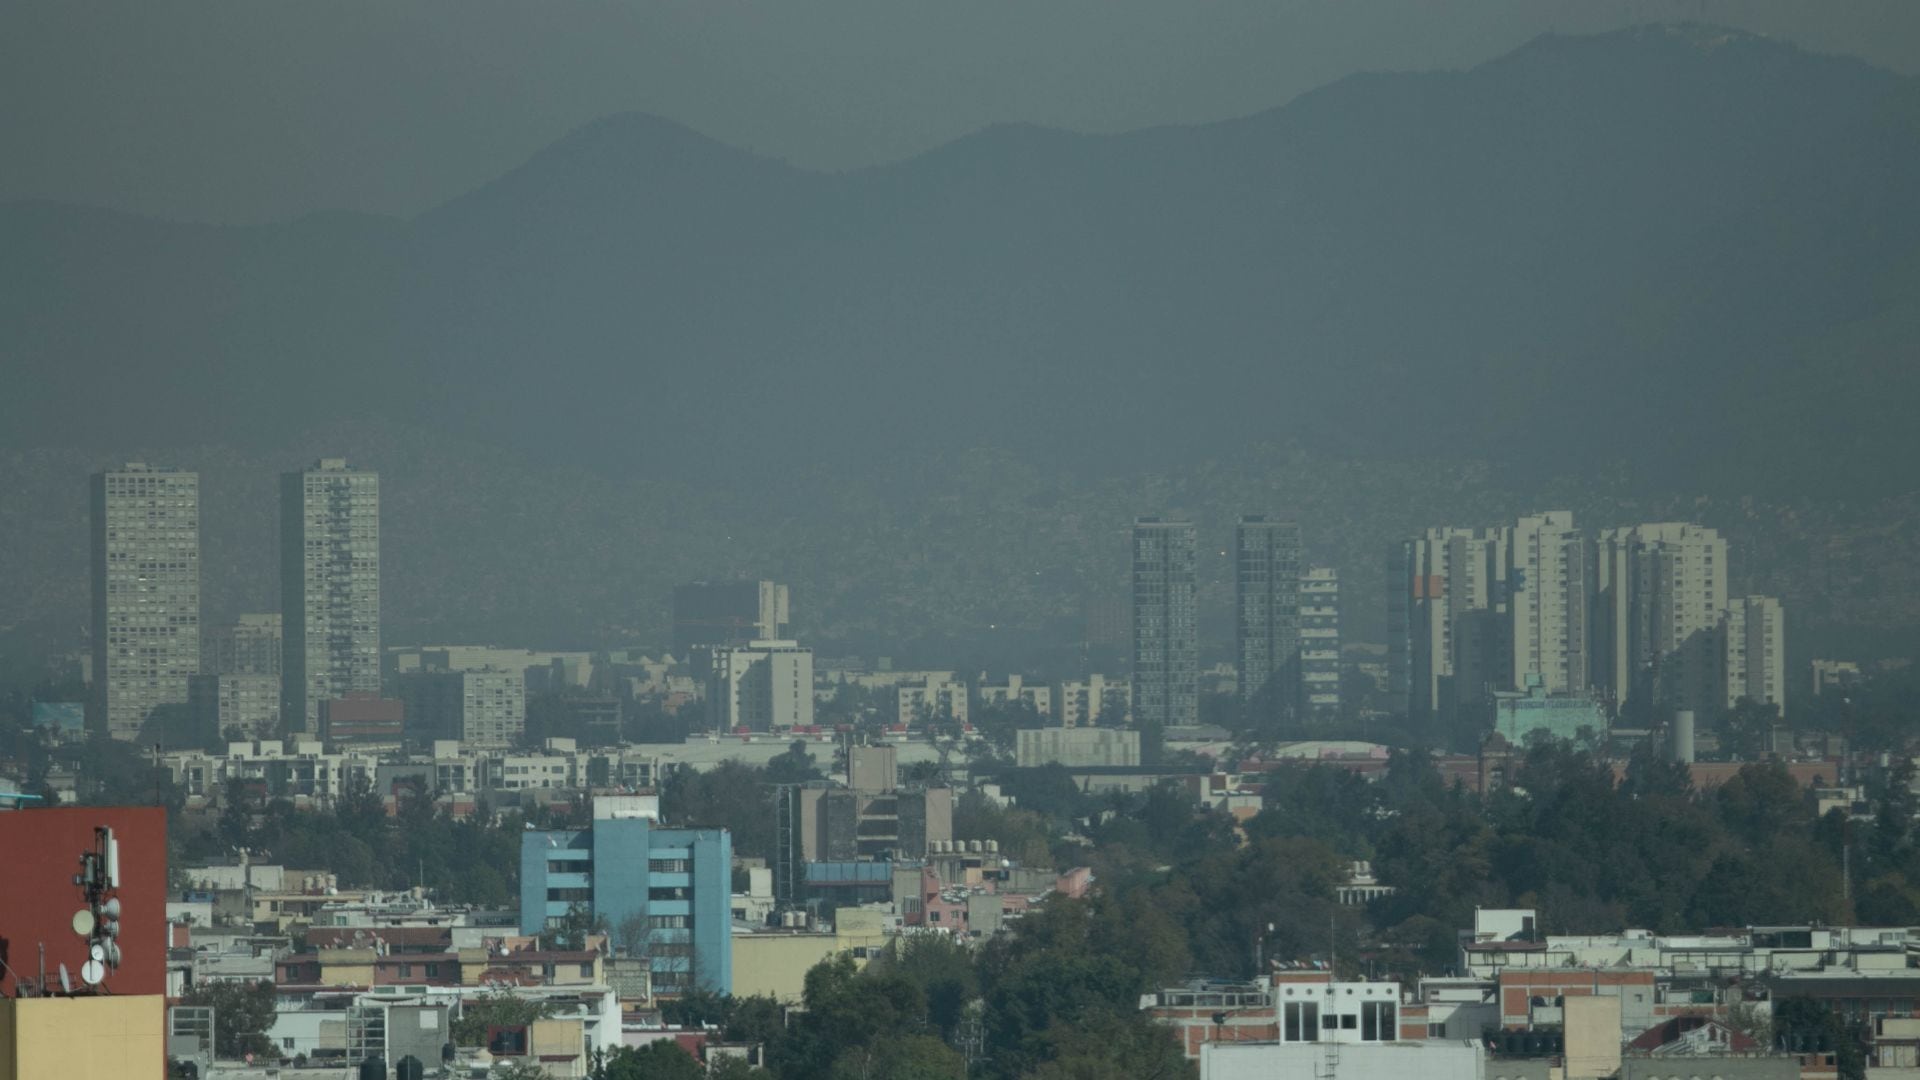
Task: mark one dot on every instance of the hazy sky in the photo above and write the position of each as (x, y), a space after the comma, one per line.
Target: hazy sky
(246, 110)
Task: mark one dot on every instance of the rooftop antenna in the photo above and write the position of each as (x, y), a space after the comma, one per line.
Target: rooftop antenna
(66, 983)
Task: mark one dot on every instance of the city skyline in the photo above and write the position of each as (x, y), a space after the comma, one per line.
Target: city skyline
(1041, 541)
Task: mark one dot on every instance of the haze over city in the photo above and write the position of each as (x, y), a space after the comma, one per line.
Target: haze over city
(1026, 542)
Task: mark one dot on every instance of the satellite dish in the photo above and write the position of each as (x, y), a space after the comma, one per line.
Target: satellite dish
(111, 909)
(66, 981)
(83, 922)
(113, 954)
(97, 951)
(92, 972)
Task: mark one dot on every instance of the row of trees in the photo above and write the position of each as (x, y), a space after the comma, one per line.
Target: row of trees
(471, 861)
(1592, 851)
(1055, 999)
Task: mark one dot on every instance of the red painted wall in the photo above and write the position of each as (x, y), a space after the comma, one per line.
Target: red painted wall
(40, 854)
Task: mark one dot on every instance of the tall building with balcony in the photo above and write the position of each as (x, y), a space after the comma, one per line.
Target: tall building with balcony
(1447, 622)
(146, 594)
(1320, 642)
(1166, 633)
(665, 895)
(329, 587)
(1549, 583)
(1661, 593)
(1754, 647)
(1267, 610)
(761, 686)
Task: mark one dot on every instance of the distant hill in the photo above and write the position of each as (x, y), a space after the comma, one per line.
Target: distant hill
(1671, 261)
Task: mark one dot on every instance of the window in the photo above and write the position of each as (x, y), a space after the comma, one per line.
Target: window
(1302, 1018)
(671, 892)
(1347, 1021)
(586, 970)
(406, 971)
(667, 866)
(433, 971)
(1377, 1022)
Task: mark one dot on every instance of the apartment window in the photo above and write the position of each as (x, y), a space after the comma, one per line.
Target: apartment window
(433, 971)
(670, 892)
(667, 866)
(1302, 1021)
(1377, 1021)
(406, 971)
(586, 970)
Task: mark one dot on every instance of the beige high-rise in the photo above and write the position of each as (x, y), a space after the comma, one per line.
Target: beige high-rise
(146, 594)
(329, 587)
(1662, 595)
(1754, 652)
(1548, 588)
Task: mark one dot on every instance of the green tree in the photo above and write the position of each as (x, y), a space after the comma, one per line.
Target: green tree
(732, 796)
(662, 1059)
(794, 766)
(1116, 1048)
(848, 1010)
(901, 1057)
(1805, 1024)
(479, 1014)
(1047, 790)
(728, 1067)
(943, 970)
(242, 1013)
(1746, 729)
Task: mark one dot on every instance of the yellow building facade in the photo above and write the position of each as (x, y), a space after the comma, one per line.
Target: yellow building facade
(83, 1038)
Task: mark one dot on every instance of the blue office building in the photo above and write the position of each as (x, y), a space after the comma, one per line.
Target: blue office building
(664, 892)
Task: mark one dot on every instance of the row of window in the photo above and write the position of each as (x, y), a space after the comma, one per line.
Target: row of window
(1304, 1022)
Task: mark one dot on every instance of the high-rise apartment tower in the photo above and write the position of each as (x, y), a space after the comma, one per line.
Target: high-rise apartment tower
(1662, 591)
(1267, 610)
(329, 587)
(1754, 651)
(1549, 571)
(146, 593)
(1166, 632)
(1320, 642)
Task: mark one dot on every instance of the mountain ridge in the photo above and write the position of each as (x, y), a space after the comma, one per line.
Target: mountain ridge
(1689, 257)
